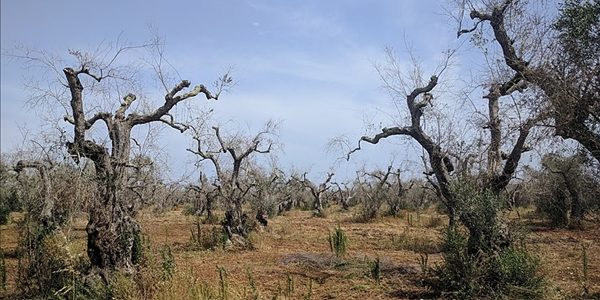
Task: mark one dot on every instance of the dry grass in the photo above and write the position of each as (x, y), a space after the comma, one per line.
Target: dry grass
(293, 250)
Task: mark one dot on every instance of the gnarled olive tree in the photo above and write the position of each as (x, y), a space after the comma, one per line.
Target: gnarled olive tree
(111, 230)
(567, 73)
(500, 165)
(232, 184)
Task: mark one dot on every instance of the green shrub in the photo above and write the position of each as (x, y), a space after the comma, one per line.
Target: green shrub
(189, 209)
(167, 262)
(483, 261)
(223, 283)
(207, 237)
(8, 203)
(376, 270)
(555, 209)
(509, 273)
(519, 275)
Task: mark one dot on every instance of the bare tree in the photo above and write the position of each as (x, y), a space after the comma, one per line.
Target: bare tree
(397, 200)
(374, 191)
(316, 191)
(416, 100)
(205, 198)
(345, 195)
(232, 184)
(111, 229)
(269, 193)
(498, 175)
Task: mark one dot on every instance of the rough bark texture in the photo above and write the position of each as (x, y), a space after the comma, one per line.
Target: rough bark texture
(111, 229)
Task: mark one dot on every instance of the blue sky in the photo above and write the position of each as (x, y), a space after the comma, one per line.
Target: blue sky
(306, 63)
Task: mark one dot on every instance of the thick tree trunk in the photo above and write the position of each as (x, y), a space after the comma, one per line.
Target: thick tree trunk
(111, 228)
(210, 198)
(234, 218)
(111, 234)
(576, 211)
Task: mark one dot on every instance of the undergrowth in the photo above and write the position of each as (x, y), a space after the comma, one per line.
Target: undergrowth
(479, 259)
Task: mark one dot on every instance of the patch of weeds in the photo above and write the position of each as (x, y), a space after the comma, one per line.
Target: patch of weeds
(494, 271)
(196, 236)
(308, 296)
(584, 279)
(223, 283)
(204, 238)
(254, 240)
(123, 286)
(424, 263)
(289, 284)
(338, 242)
(168, 262)
(189, 209)
(253, 289)
(2, 271)
(201, 291)
(434, 222)
(320, 213)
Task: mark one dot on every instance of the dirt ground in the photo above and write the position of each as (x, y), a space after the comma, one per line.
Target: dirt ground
(292, 258)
